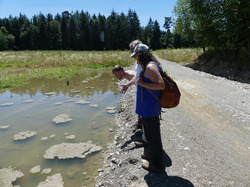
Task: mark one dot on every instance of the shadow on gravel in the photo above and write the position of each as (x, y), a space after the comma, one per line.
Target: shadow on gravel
(135, 137)
(167, 162)
(163, 180)
(158, 179)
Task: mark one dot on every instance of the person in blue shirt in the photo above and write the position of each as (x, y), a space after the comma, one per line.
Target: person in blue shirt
(148, 107)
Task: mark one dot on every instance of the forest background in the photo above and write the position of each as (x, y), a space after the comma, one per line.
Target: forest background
(220, 28)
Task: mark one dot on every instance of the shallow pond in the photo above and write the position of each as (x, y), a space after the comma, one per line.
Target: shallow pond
(34, 110)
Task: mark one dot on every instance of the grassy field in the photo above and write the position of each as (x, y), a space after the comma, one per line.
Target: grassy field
(18, 67)
(180, 56)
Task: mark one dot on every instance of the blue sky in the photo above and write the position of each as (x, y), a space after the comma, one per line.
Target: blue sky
(157, 10)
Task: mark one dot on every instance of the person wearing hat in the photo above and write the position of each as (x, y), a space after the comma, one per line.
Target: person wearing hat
(138, 67)
(148, 107)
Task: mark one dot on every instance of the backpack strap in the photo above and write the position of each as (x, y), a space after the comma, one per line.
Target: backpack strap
(142, 94)
(157, 99)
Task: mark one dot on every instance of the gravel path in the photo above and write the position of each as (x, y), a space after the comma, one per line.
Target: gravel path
(205, 139)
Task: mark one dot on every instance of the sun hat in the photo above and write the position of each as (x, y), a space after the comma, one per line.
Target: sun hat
(139, 48)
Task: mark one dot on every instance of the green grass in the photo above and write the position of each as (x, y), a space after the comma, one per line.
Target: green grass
(181, 56)
(18, 67)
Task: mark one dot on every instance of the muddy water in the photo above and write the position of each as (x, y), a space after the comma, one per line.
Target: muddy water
(89, 123)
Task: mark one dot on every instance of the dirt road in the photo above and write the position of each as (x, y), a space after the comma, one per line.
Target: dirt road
(206, 139)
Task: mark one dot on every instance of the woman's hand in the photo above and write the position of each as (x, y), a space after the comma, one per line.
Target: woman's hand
(139, 81)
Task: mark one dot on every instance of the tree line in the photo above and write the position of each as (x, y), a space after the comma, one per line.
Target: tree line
(78, 31)
(198, 23)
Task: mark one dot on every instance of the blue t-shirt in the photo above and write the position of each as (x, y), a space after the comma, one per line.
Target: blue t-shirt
(146, 105)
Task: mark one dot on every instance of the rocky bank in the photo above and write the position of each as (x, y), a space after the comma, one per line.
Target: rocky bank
(222, 68)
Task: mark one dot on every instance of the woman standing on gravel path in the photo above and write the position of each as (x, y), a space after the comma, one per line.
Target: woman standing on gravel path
(148, 107)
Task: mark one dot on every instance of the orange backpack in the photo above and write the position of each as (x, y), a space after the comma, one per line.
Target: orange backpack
(170, 96)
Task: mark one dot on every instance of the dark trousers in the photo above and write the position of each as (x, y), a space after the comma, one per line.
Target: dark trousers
(153, 135)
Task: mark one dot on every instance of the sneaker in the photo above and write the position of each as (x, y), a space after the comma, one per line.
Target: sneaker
(149, 166)
(146, 156)
(140, 143)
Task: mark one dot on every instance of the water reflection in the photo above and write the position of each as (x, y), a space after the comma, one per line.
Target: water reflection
(89, 123)
(101, 83)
